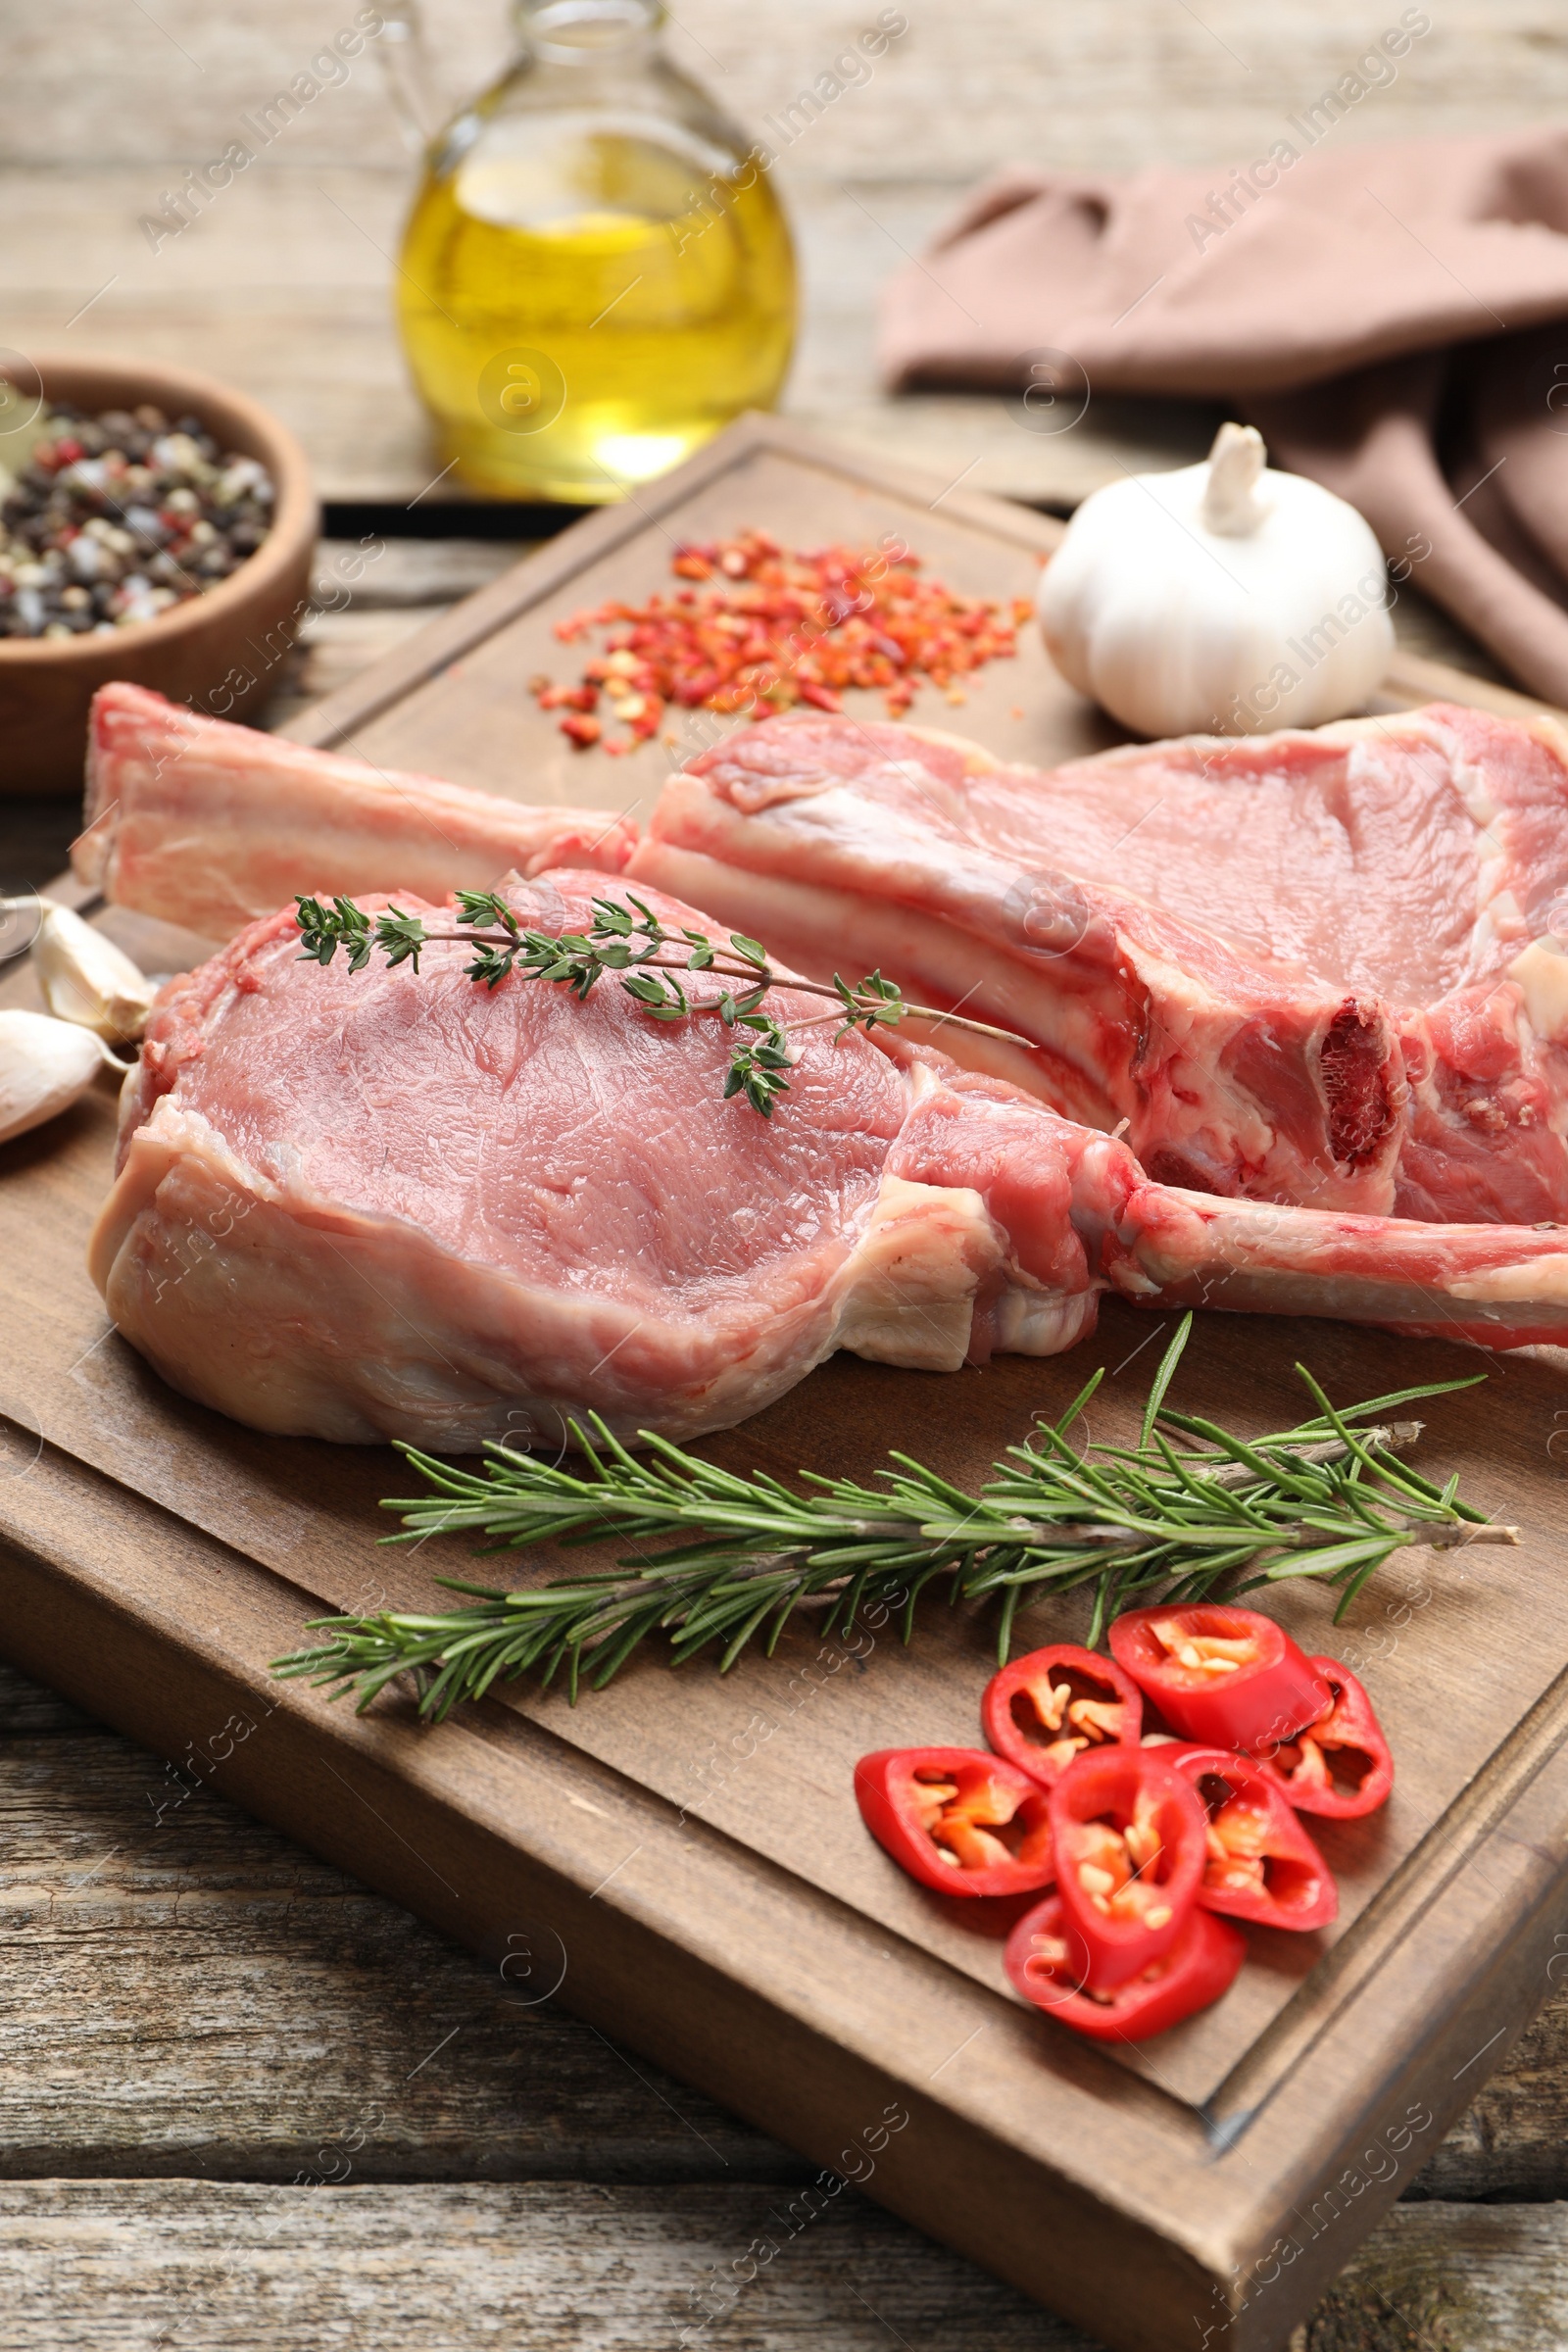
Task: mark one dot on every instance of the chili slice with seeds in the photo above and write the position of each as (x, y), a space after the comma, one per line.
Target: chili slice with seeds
(1044, 1709)
(1339, 1767)
(1260, 1864)
(1129, 1834)
(1225, 1676)
(1198, 1967)
(957, 1819)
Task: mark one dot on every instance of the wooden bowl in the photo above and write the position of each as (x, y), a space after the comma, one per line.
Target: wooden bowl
(221, 651)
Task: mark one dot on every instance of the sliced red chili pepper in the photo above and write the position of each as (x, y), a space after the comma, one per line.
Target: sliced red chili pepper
(1128, 1838)
(1043, 1710)
(1340, 1766)
(1220, 1675)
(957, 1819)
(1261, 1865)
(1199, 1966)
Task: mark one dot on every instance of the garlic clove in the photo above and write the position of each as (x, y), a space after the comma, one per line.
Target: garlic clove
(45, 1065)
(86, 979)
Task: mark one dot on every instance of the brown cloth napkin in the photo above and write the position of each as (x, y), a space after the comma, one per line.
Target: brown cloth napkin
(1393, 319)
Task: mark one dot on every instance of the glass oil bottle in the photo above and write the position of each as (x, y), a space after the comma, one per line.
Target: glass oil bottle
(597, 274)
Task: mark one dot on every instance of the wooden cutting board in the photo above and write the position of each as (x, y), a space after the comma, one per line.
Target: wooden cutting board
(679, 1858)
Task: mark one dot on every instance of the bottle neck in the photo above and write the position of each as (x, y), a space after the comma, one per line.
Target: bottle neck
(587, 33)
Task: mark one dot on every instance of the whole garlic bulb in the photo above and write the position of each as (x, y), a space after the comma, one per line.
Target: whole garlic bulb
(85, 978)
(1222, 598)
(45, 1064)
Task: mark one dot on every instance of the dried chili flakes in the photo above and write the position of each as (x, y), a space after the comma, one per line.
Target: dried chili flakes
(761, 628)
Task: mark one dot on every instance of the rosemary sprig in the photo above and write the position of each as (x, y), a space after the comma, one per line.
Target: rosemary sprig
(1186, 1510)
(628, 939)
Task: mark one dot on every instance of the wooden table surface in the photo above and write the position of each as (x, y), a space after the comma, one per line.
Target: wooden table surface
(242, 2100)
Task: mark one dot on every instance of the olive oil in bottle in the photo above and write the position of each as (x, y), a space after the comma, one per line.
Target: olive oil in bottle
(596, 274)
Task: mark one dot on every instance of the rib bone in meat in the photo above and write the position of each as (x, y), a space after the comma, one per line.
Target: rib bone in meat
(209, 825)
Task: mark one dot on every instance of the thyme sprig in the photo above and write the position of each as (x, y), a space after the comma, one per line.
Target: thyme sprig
(628, 939)
(1191, 1507)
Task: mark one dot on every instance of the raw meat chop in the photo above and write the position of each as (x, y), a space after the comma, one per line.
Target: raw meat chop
(209, 825)
(391, 1205)
(1314, 967)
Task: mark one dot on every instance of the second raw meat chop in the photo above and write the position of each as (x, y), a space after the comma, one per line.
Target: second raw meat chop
(403, 1205)
(1313, 967)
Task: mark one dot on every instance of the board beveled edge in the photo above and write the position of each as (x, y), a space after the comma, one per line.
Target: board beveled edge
(1099, 2197)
